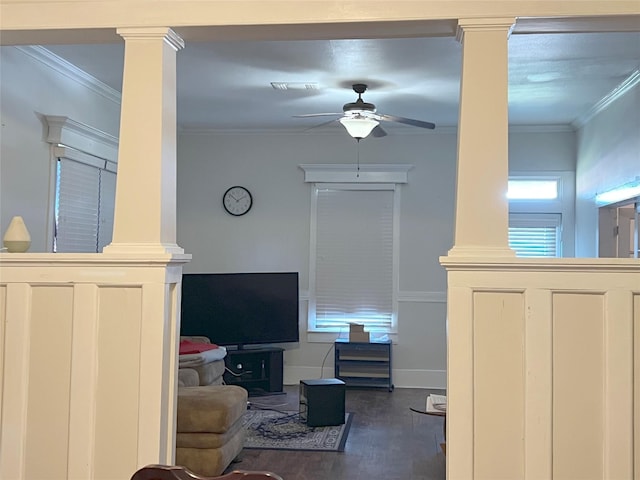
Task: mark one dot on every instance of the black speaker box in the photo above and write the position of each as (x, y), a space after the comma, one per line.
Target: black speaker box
(322, 402)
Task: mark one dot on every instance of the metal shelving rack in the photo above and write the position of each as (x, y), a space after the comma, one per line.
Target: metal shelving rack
(363, 364)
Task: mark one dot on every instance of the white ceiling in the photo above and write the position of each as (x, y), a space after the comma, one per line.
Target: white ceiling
(554, 78)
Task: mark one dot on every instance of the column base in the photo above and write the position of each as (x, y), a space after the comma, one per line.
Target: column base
(143, 248)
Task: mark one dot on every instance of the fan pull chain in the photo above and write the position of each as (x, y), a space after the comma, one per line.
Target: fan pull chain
(358, 157)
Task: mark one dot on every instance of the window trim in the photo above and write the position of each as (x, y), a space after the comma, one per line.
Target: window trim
(311, 328)
(80, 140)
(356, 173)
(563, 205)
(369, 176)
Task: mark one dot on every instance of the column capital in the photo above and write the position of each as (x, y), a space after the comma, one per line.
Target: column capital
(150, 33)
(484, 24)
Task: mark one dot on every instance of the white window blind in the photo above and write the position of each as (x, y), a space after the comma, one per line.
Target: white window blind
(535, 234)
(84, 204)
(107, 208)
(354, 260)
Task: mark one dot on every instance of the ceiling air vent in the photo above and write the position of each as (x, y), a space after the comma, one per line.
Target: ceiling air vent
(294, 85)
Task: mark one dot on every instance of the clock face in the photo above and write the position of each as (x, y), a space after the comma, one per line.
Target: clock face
(237, 201)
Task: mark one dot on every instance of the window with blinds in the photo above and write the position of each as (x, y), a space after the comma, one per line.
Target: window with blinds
(84, 203)
(535, 234)
(353, 266)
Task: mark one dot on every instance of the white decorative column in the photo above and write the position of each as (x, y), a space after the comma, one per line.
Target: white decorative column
(145, 231)
(145, 211)
(481, 223)
(88, 377)
(481, 232)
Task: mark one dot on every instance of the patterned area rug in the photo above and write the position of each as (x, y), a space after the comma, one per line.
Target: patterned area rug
(272, 430)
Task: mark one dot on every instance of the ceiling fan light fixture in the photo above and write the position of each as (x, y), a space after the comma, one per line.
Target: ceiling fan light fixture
(359, 127)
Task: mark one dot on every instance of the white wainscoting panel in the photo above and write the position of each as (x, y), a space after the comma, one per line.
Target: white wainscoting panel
(578, 383)
(636, 384)
(89, 365)
(543, 368)
(498, 319)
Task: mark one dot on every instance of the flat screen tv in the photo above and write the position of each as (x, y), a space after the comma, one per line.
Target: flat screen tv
(238, 309)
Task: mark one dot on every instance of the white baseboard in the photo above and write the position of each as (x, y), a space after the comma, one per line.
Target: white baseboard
(293, 374)
(436, 379)
(420, 378)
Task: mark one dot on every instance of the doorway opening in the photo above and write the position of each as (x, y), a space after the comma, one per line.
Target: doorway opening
(618, 229)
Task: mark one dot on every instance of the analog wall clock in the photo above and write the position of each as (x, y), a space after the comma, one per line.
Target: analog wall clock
(237, 201)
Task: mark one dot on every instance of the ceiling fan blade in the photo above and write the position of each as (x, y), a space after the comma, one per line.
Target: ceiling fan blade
(408, 121)
(378, 132)
(316, 115)
(323, 124)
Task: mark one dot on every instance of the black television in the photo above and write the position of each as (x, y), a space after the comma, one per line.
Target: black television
(238, 309)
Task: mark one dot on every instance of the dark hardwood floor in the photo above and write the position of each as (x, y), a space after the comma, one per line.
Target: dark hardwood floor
(386, 441)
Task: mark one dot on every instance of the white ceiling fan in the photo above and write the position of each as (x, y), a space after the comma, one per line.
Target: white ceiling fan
(361, 119)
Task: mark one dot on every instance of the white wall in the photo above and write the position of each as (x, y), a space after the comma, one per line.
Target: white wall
(29, 89)
(551, 151)
(544, 148)
(274, 235)
(608, 156)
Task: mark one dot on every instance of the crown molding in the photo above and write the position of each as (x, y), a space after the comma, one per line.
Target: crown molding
(445, 130)
(550, 128)
(69, 70)
(53, 61)
(328, 131)
(618, 92)
(191, 130)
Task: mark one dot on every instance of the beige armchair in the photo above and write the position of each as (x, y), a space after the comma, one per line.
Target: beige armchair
(194, 369)
(209, 433)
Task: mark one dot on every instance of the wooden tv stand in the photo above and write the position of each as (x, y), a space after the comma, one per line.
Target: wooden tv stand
(258, 370)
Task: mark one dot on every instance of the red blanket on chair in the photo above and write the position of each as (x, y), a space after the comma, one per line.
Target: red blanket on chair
(187, 347)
